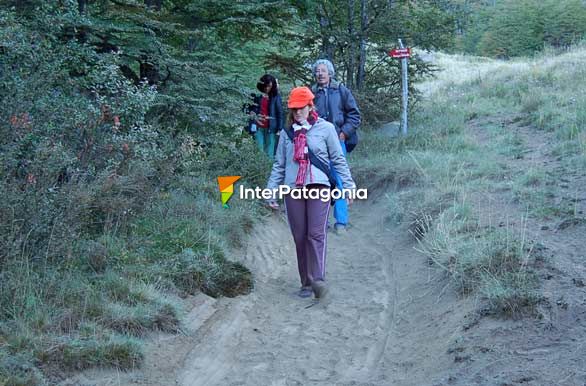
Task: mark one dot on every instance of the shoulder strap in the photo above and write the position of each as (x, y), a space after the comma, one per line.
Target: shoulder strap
(343, 94)
(318, 163)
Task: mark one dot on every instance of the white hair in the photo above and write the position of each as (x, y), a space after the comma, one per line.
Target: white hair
(328, 65)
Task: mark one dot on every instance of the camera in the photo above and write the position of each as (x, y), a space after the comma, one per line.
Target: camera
(253, 107)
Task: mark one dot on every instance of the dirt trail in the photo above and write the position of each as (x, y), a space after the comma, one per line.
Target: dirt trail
(388, 321)
(379, 327)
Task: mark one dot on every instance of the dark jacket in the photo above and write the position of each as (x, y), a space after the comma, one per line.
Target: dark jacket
(341, 110)
(276, 122)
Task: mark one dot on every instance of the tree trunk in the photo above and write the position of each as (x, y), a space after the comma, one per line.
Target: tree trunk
(363, 39)
(327, 46)
(324, 24)
(81, 6)
(191, 44)
(352, 46)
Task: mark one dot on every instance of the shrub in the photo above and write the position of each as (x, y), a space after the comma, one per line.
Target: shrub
(523, 27)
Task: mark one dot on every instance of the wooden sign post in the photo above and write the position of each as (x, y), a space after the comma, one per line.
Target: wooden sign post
(403, 54)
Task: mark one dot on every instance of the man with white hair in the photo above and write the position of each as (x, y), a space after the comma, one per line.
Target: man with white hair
(336, 104)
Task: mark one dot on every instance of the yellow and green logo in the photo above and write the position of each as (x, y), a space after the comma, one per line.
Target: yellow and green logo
(226, 184)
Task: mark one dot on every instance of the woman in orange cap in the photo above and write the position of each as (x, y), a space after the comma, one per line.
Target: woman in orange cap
(306, 148)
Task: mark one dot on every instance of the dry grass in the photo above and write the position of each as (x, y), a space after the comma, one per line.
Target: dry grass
(456, 70)
(459, 145)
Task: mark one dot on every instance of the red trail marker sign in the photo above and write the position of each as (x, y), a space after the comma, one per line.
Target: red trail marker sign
(400, 53)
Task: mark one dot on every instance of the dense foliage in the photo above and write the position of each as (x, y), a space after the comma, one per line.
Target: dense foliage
(117, 116)
(508, 28)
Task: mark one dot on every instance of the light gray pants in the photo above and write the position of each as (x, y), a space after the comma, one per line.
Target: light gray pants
(308, 220)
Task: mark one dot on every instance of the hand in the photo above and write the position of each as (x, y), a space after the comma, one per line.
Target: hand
(274, 205)
(342, 136)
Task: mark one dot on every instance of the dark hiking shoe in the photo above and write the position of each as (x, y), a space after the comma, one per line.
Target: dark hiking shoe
(320, 289)
(304, 292)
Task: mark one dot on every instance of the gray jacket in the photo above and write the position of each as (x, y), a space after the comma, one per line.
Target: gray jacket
(324, 143)
(336, 104)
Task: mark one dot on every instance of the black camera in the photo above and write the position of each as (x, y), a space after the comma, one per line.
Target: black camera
(253, 107)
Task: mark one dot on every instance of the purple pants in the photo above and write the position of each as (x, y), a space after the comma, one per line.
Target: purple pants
(308, 220)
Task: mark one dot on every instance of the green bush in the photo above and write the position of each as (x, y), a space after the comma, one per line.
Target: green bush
(523, 27)
(108, 185)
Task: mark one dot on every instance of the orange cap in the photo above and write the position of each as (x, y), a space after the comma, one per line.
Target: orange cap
(300, 97)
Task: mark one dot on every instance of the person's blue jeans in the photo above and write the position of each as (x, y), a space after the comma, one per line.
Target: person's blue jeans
(265, 141)
(340, 206)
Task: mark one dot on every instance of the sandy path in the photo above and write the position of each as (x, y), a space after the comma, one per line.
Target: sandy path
(380, 326)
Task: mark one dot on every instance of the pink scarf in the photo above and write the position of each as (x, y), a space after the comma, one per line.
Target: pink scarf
(301, 150)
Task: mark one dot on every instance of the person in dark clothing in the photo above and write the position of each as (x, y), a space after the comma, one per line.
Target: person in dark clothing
(335, 103)
(269, 120)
